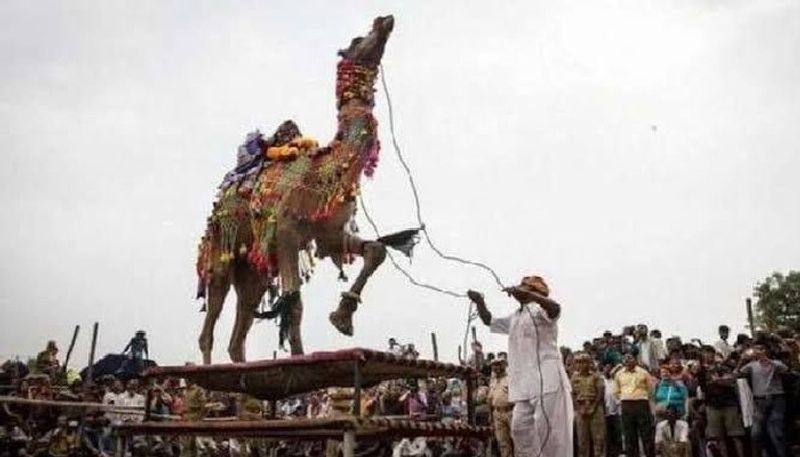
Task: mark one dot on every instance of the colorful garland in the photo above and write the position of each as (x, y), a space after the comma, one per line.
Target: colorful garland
(354, 81)
(303, 181)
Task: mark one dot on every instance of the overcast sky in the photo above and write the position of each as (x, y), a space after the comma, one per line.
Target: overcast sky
(641, 156)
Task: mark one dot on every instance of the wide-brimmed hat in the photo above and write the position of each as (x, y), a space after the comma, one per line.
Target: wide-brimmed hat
(535, 284)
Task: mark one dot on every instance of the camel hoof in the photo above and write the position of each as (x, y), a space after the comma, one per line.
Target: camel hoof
(342, 318)
(342, 321)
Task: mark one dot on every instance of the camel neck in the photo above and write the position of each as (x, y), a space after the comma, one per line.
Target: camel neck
(355, 84)
(357, 129)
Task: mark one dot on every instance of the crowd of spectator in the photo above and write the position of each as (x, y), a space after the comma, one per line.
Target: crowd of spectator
(637, 393)
(633, 393)
(59, 430)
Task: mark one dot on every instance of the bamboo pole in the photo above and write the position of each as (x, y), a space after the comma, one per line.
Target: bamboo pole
(468, 353)
(750, 319)
(435, 347)
(90, 371)
(70, 404)
(349, 443)
(71, 347)
(273, 404)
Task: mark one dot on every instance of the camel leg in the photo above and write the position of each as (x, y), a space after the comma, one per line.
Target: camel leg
(295, 339)
(217, 291)
(250, 287)
(288, 259)
(373, 253)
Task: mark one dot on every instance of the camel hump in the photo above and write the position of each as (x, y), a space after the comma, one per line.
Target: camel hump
(257, 151)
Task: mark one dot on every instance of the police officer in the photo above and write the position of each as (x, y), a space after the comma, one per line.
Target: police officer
(588, 393)
(500, 406)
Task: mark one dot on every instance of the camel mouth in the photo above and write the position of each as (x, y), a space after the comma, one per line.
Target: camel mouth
(383, 24)
(368, 50)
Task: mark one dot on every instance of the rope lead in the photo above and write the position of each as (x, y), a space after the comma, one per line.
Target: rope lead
(413, 185)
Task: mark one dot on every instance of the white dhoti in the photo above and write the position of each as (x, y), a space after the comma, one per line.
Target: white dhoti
(542, 427)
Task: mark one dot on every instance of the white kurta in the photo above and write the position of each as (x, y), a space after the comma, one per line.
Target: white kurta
(538, 385)
(722, 347)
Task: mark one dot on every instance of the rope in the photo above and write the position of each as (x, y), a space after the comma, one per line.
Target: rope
(481, 265)
(541, 386)
(407, 169)
(471, 316)
(397, 265)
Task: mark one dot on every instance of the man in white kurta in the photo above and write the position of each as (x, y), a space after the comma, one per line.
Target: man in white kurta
(542, 419)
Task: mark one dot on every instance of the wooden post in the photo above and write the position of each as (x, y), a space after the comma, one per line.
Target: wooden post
(121, 444)
(349, 443)
(273, 404)
(356, 389)
(435, 347)
(469, 353)
(470, 399)
(750, 320)
(148, 405)
(71, 347)
(90, 371)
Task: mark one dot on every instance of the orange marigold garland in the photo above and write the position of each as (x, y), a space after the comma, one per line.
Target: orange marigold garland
(300, 180)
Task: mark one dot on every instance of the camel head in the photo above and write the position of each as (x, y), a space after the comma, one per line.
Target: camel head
(368, 50)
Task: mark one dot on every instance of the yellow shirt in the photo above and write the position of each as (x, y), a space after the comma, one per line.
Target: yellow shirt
(632, 385)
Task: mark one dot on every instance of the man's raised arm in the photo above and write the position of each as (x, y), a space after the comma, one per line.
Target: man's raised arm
(480, 304)
(550, 306)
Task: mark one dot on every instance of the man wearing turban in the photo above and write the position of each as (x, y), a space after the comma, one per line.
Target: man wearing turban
(542, 417)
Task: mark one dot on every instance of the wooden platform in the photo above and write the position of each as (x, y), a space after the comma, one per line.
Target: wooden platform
(281, 378)
(306, 429)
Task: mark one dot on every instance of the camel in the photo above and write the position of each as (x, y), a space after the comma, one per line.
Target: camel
(255, 236)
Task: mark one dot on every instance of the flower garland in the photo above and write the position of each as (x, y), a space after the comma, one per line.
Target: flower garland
(293, 149)
(354, 81)
(301, 181)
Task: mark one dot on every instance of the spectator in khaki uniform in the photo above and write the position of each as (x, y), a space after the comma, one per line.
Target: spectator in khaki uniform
(500, 407)
(47, 360)
(588, 395)
(250, 409)
(196, 410)
(64, 440)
